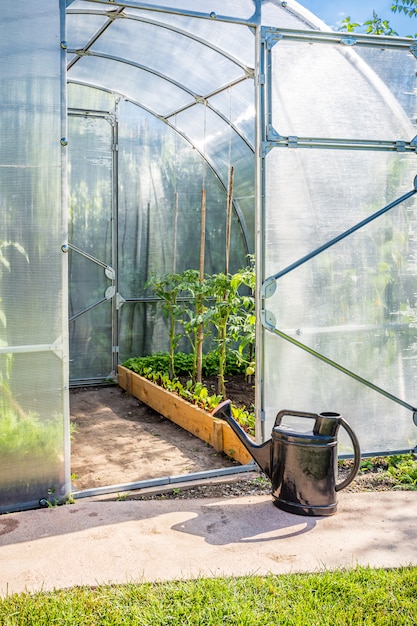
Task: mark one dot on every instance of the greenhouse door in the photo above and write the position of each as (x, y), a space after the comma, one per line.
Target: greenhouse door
(338, 247)
(92, 247)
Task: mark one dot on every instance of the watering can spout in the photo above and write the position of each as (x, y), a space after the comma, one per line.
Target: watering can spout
(261, 453)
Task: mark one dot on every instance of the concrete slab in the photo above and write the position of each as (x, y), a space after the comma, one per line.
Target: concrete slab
(90, 543)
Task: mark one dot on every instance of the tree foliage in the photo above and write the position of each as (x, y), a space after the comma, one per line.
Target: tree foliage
(377, 25)
(408, 7)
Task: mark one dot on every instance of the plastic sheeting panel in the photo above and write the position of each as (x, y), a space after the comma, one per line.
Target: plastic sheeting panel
(91, 257)
(339, 311)
(34, 441)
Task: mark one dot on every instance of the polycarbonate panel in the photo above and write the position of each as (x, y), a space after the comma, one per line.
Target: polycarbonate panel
(238, 104)
(91, 271)
(34, 421)
(398, 70)
(216, 140)
(314, 195)
(160, 210)
(97, 99)
(354, 303)
(179, 65)
(236, 40)
(290, 15)
(91, 345)
(328, 75)
(83, 30)
(295, 379)
(143, 329)
(224, 148)
(151, 91)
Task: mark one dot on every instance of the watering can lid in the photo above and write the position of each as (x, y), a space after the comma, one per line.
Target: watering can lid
(283, 432)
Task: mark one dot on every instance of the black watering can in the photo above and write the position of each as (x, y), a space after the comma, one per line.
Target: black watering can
(302, 467)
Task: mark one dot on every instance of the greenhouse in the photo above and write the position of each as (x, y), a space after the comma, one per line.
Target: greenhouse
(137, 135)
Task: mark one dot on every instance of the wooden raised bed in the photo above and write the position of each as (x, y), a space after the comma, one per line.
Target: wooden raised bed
(214, 431)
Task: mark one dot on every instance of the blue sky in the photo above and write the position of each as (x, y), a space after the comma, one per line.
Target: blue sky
(332, 11)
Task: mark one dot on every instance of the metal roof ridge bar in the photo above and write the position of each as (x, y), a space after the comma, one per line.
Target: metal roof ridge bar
(253, 20)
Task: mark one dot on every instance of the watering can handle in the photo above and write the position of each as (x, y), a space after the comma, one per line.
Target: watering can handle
(357, 453)
(284, 412)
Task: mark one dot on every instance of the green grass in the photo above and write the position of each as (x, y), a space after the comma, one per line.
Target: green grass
(362, 596)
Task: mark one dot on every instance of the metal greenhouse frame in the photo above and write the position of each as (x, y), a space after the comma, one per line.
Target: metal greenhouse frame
(115, 118)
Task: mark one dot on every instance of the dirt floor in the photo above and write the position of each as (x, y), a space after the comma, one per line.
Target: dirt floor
(119, 440)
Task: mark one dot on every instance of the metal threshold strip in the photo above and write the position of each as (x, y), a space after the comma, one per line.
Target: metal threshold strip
(164, 480)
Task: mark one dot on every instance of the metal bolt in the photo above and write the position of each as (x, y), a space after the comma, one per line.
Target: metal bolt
(64, 45)
(284, 4)
(213, 15)
(64, 247)
(64, 141)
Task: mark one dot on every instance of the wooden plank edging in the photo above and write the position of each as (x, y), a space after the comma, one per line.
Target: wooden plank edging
(214, 431)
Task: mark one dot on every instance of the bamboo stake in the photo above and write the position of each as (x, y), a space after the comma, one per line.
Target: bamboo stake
(229, 217)
(174, 263)
(202, 233)
(200, 336)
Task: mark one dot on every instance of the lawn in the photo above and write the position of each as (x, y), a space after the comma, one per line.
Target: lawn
(361, 596)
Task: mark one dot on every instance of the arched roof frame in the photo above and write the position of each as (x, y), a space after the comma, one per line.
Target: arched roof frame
(248, 72)
(204, 157)
(205, 99)
(117, 13)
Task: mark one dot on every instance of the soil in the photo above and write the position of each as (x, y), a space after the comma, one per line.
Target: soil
(118, 439)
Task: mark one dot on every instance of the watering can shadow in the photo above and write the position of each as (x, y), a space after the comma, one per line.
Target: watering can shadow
(302, 466)
(242, 522)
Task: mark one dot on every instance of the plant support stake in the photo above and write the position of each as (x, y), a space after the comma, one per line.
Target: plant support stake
(229, 217)
(200, 303)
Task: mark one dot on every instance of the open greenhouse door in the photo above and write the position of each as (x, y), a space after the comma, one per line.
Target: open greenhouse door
(92, 257)
(338, 244)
